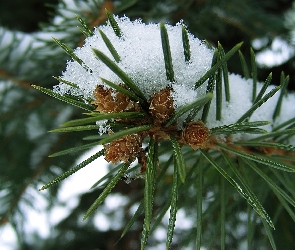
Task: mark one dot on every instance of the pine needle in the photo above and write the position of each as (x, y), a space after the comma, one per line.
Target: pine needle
(167, 53)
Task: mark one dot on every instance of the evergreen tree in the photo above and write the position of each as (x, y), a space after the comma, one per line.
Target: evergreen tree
(30, 57)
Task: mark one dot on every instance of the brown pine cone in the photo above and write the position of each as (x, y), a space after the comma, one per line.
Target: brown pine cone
(124, 149)
(111, 101)
(196, 134)
(161, 106)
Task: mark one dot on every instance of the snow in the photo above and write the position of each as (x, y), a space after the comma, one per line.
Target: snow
(141, 58)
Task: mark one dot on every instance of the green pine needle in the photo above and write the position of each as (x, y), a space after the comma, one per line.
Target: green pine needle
(266, 144)
(221, 170)
(198, 103)
(263, 89)
(123, 133)
(108, 176)
(210, 87)
(125, 91)
(84, 29)
(288, 132)
(284, 124)
(213, 69)
(102, 116)
(178, 156)
(199, 206)
(253, 74)
(110, 46)
(208, 45)
(149, 180)
(255, 203)
(173, 206)
(243, 127)
(271, 183)
(66, 82)
(223, 200)
(137, 213)
(140, 207)
(244, 65)
(160, 215)
(114, 24)
(283, 83)
(251, 224)
(269, 235)
(186, 45)
(260, 159)
(67, 99)
(163, 210)
(73, 170)
(258, 104)
(106, 191)
(71, 53)
(289, 209)
(219, 94)
(74, 129)
(167, 53)
(149, 191)
(75, 149)
(94, 137)
(225, 131)
(225, 73)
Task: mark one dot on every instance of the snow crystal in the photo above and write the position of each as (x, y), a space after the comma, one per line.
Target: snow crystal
(103, 127)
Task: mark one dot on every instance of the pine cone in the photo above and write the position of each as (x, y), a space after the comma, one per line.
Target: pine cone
(196, 134)
(124, 149)
(111, 101)
(161, 106)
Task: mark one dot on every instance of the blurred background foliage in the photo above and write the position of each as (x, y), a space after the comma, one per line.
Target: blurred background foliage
(28, 56)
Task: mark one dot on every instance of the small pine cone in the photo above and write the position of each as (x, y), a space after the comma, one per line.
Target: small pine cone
(161, 106)
(196, 134)
(111, 101)
(123, 149)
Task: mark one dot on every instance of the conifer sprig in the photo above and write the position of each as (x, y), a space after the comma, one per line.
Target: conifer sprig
(137, 123)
